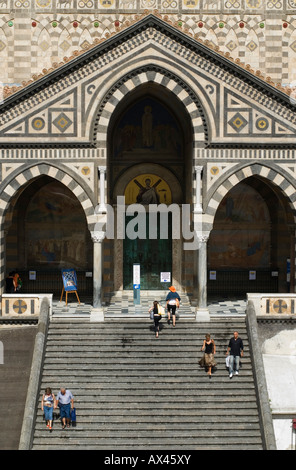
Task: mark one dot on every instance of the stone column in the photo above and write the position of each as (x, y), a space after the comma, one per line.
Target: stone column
(292, 259)
(97, 313)
(197, 206)
(102, 203)
(202, 313)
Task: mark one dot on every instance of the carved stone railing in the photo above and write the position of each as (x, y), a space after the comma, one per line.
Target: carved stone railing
(23, 305)
(274, 304)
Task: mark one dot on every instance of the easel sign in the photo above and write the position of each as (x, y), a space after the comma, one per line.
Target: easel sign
(69, 283)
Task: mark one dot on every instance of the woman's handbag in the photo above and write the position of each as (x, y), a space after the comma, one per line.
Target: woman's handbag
(151, 315)
(161, 310)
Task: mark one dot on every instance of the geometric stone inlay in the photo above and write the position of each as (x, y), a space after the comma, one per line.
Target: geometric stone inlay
(214, 170)
(232, 4)
(85, 170)
(38, 124)
(43, 3)
(293, 46)
(62, 122)
(85, 44)
(44, 46)
(280, 306)
(65, 46)
(238, 122)
(252, 46)
(19, 306)
(253, 3)
(231, 45)
(262, 124)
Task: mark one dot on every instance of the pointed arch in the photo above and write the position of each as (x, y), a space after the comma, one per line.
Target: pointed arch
(292, 57)
(85, 39)
(129, 82)
(23, 175)
(230, 43)
(251, 50)
(44, 51)
(65, 43)
(211, 37)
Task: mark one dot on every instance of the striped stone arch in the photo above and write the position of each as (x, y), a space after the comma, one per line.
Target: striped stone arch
(21, 176)
(227, 181)
(138, 77)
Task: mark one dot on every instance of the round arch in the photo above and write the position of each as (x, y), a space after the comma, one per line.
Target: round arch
(161, 171)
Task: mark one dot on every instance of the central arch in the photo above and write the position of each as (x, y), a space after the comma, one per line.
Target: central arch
(137, 78)
(150, 149)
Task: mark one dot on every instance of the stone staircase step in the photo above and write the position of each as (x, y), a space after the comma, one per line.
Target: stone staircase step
(135, 392)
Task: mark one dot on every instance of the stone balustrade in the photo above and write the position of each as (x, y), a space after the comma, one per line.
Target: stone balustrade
(22, 305)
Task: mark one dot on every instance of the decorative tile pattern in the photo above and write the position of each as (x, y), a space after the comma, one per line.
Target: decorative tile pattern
(62, 121)
(57, 116)
(43, 4)
(20, 305)
(111, 14)
(278, 306)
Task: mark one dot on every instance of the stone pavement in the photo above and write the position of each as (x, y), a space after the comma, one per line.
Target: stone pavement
(122, 305)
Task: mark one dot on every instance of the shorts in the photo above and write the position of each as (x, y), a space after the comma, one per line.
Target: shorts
(48, 412)
(65, 410)
(172, 308)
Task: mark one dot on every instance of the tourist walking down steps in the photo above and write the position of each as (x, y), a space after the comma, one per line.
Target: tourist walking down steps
(208, 360)
(65, 401)
(236, 350)
(47, 406)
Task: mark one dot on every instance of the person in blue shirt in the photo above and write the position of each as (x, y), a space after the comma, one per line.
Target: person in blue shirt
(65, 401)
(172, 302)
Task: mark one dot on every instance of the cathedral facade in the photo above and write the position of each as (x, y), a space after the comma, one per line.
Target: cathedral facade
(187, 108)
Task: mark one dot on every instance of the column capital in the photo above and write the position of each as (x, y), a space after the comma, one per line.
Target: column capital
(198, 168)
(98, 236)
(102, 169)
(202, 236)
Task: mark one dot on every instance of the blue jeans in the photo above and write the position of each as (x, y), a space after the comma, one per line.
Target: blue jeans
(65, 410)
(233, 360)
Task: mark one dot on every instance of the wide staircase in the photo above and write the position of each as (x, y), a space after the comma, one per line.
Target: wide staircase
(135, 392)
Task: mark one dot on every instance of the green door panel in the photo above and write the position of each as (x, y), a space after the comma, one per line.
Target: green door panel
(153, 255)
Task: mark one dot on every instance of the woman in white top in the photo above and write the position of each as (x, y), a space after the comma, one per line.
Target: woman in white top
(47, 405)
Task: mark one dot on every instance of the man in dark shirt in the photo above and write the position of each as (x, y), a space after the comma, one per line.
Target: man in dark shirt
(236, 350)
